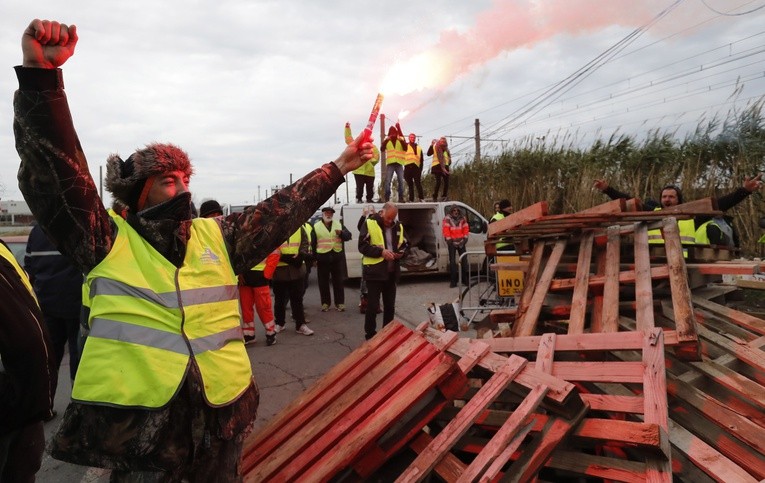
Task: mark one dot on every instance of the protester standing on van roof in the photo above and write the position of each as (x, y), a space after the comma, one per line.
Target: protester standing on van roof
(382, 244)
(394, 147)
(365, 174)
(439, 166)
(413, 168)
(327, 244)
(187, 397)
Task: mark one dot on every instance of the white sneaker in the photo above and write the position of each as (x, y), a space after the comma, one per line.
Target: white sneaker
(278, 328)
(304, 330)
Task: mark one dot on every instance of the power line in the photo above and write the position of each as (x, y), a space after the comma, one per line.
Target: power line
(727, 14)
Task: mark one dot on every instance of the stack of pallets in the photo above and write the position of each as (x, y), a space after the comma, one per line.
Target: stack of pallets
(594, 273)
(621, 362)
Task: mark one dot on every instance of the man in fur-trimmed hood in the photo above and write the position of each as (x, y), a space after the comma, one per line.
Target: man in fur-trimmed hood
(163, 308)
(130, 181)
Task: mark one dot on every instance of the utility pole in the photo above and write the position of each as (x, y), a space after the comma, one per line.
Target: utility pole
(383, 157)
(477, 140)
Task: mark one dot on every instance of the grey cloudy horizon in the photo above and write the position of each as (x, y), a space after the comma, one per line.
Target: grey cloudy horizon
(258, 92)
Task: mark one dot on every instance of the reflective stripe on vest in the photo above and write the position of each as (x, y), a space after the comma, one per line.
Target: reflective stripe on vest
(436, 161)
(395, 153)
(413, 156)
(148, 318)
(291, 246)
(328, 240)
(377, 238)
(687, 229)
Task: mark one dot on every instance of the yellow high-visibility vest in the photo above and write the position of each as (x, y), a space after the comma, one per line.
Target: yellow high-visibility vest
(149, 317)
(377, 238)
(292, 245)
(413, 156)
(328, 239)
(395, 153)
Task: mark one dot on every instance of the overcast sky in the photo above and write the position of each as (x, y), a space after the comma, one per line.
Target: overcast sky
(258, 92)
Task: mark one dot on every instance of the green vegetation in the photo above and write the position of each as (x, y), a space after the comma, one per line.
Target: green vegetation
(711, 161)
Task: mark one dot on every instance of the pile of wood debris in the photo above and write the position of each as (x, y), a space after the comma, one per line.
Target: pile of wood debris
(621, 362)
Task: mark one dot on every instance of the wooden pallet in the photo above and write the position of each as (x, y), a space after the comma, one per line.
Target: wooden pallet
(359, 414)
(500, 455)
(607, 424)
(594, 299)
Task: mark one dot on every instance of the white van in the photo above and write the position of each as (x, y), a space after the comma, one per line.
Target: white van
(422, 227)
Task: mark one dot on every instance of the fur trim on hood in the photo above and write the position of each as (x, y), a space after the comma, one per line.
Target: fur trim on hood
(125, 179)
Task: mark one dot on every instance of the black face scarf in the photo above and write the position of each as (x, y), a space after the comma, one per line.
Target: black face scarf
(177, 208)
(166, 226)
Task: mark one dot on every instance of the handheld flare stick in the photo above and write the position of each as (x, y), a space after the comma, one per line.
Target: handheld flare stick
(366, 134)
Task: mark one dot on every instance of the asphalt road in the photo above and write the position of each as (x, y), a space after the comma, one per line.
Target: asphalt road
(289, 367)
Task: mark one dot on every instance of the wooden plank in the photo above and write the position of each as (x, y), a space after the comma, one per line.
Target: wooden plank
(321, 432)
(655, 398)
(643, 278)
(530, 282)
(426, 460)
(749, 322)
(525, 215)
(506, 440)
(475, 353)
(717, 411)
(722, 440)
(545, 354)
(528, 316)
(744, 387)
(539, 450)
(596, 317)
(706, 457)
(681, 293)
(394, 340)
(449, 468)
(627, 276)
(647, 437)
(631, 340)
(620, 404)
(579, 299)
(397, 396)
(611, 287)
(597, 371)
(732, 268)
(703, 204)
(561, 392)
(613, 206)
(609, 469)
(751, 356)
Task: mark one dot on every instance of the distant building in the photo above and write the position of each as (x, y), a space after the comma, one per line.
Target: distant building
(15, 213)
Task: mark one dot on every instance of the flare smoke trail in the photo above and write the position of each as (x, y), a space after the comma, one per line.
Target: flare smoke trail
(508, 25)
